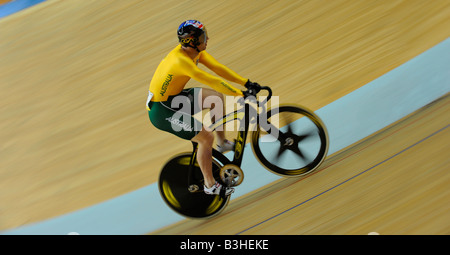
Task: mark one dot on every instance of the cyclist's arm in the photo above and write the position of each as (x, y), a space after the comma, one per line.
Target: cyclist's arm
(220, 69)
(215, 82)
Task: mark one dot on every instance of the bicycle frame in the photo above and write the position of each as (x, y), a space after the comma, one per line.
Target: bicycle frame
(243, 115)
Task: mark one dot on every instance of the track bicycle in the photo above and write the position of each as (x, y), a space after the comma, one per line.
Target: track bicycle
(288, 140)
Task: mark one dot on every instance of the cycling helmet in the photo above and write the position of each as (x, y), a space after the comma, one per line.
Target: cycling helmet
(192, 31)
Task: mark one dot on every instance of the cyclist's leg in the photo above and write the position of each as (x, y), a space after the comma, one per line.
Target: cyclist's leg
(205, 141)
(173, 121)
(213, 101)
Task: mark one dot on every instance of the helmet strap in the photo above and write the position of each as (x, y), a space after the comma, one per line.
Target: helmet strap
(194, 47)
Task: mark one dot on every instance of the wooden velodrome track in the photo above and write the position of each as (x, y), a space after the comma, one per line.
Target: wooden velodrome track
(74, 130)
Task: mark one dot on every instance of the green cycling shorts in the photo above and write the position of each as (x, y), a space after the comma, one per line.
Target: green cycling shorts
(176, 114)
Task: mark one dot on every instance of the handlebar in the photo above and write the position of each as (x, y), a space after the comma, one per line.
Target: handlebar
(253, 91)
(269, 95)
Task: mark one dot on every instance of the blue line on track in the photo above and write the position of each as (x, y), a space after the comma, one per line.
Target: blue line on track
(12, 7)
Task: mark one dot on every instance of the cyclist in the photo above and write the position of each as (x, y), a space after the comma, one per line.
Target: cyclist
(167, 100)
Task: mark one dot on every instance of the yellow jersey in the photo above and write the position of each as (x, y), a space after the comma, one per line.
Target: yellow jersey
(177, 68)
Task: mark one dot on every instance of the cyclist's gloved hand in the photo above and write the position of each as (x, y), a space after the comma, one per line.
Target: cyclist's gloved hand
(248, 93)
(253, 85)
(252, 89)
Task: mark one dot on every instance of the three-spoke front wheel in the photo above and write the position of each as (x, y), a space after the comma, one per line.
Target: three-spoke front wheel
(290, 140)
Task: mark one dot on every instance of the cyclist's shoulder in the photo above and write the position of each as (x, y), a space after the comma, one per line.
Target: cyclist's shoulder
(174, 60)
(177, 56)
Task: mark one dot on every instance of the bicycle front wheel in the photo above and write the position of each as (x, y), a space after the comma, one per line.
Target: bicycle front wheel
(291, 141)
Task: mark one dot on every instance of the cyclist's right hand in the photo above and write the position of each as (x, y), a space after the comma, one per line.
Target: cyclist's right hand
(252, 89)
(248, 93)
(253, 85)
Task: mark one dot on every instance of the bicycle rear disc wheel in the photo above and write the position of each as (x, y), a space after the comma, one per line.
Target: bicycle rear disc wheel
(174, 189)
(292, 142)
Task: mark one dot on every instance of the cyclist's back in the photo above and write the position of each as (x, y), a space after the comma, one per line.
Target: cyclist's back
(177, 68)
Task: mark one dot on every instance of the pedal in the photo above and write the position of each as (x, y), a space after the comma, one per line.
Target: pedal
(193, 188)
(231, 175)
(223, 192)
